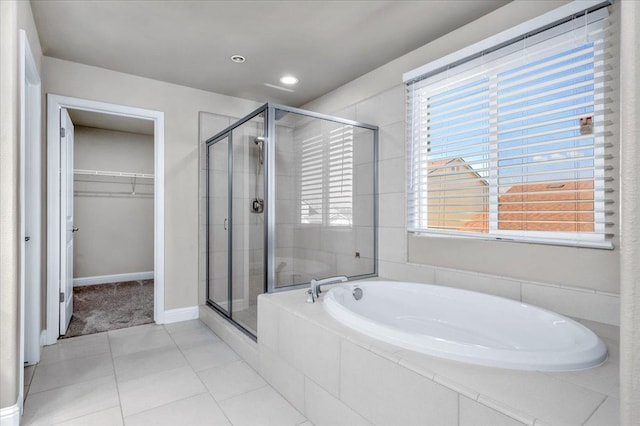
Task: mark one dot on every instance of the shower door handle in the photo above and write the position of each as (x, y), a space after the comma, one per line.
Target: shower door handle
(225, 224)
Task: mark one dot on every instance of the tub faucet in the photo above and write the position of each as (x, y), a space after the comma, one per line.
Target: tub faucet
(314, 290)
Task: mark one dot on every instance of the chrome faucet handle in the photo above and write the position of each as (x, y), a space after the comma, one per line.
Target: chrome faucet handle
(310, 298)
(315, 284)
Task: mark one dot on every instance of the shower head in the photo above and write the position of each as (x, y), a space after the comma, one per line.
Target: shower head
(259, 140)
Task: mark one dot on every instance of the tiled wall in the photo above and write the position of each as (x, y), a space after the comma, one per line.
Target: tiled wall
(596, 300)
(337, 376)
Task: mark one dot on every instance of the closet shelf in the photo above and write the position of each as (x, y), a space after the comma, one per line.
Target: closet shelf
(110, 173)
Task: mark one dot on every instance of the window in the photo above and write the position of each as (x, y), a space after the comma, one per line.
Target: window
(326, 182)
(514, 142)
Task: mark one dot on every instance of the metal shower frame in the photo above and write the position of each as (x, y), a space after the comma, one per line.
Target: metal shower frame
(268, 110)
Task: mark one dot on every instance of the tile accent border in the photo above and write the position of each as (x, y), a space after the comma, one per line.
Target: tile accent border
(181, 314)
(115, 278)
(10, 416)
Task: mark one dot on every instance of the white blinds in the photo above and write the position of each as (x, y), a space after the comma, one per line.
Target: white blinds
(326, 169)
(515, 143)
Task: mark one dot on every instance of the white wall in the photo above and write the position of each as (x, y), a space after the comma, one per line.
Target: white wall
(630, 226)
(14, 15)
(181, 106)
(574, 281)
(115, 225)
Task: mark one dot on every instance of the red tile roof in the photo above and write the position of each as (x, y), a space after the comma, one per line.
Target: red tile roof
(559, 206)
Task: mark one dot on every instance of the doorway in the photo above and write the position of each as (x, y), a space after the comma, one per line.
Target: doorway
(105, 212)
(111, 222)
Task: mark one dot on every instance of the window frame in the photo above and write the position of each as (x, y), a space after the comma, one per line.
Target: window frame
(598, 238)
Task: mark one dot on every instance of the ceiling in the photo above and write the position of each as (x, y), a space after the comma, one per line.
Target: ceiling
(111, 122)
(323, 43)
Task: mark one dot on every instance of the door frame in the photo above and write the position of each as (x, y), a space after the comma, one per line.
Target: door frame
(54, 234)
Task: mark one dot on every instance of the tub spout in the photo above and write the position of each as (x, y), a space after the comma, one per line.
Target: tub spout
(315, 284)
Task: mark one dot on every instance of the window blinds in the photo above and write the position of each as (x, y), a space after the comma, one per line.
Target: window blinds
(326, 170)
(515, 143)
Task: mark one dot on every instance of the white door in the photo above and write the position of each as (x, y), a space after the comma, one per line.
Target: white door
(66, 218)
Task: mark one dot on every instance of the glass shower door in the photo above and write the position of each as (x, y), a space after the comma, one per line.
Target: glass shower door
(218, 226)
(236, 226)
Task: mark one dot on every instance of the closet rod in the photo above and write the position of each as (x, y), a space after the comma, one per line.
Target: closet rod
(110, 173)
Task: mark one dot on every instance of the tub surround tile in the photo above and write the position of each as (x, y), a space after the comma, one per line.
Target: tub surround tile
(323, 409)
(194, 410)
(267, 332)
(70, 371)
(268, 408)
(311, 349)
(407, 272)
(541, 395)
(507, 410)
(386, 393)
(456, 386)
(514, 396)
(283, 377)
(473, 413)
(605, 331)
(392, 244)
(511, 289)
(604, 379)
(580, 304)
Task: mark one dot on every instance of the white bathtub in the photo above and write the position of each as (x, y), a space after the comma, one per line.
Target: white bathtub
(466, 326)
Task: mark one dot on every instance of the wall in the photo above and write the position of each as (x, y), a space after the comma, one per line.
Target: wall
(630, 223)
(181, 106)
(13, 17)
(115, 226)
(582, 280)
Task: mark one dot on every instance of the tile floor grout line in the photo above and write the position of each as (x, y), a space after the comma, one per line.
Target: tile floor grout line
(596, 410)
(196, 373)
(115, 377)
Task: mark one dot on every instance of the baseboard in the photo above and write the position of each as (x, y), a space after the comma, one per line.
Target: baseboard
(181, 314)
(10, 416)
(115, 278)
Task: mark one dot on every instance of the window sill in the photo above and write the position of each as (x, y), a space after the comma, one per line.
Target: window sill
(601, 244)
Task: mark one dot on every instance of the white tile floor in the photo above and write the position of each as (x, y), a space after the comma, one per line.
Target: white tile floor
(178, 374)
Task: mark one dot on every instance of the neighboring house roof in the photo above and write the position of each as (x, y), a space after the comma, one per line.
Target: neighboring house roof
(438, 165)
(559, 206)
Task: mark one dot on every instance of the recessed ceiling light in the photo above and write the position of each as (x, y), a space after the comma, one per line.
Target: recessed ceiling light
(289, 80)
(238, 59)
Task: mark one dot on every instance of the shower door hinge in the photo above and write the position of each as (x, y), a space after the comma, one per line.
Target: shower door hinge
(62, 132)
(61, 297)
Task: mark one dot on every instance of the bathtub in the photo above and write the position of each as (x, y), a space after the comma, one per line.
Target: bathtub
(465, 326)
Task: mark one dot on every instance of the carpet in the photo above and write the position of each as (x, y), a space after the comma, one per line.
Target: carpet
(104, 307)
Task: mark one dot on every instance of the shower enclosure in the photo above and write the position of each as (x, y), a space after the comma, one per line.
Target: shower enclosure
(288, 195)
